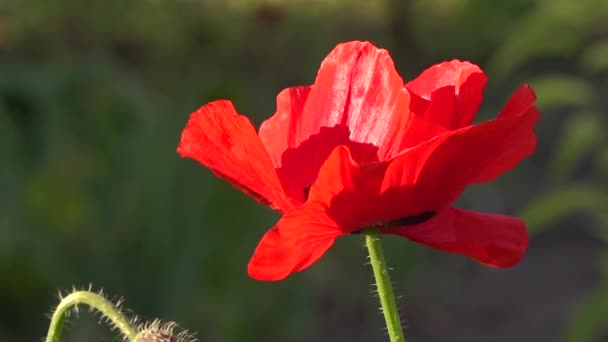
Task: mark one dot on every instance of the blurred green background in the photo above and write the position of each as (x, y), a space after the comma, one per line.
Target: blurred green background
(93, 97)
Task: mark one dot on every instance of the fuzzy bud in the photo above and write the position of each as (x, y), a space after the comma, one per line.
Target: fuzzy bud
(162, 332)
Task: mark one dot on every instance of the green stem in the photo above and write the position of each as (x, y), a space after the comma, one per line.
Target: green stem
(385, 289)
(107, 309)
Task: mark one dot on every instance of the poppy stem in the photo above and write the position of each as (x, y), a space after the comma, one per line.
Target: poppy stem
(98, 302)
(384, 285)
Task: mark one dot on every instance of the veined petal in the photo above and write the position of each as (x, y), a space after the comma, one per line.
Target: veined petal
(299, 239)
(448, 93)
(225, 142)
(494, 240)
(357, 100)
(358, 87)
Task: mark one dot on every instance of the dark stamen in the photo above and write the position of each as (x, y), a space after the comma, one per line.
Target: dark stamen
(306, 190)
(410, 220)
(405, 221)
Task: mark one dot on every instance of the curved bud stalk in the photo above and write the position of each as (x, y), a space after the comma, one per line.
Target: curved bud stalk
(154, 331)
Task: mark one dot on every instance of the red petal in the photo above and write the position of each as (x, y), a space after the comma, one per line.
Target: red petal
(220, 139)
(357, 100)
(494, 240)
(357, 87)
(520, 103)
(456, 159)
(348, 190)
(448, 93)
(418, 129)
(299, 239)
(428, 177)
(278, 133)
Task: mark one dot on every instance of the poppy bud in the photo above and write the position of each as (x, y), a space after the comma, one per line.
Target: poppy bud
(162, 332)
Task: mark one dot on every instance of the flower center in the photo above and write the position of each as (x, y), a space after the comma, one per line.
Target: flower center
(408, 220)
(411, 220)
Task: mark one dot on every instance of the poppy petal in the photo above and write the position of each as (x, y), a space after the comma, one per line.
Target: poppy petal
(277, 133)
(357, 100)
(449, 93)
(418, 129)
(426, 178)
(226, 142)
(458, 158)
(348, 190)
(299, 239)
(494, 240)
(520, 103)
(357, 86)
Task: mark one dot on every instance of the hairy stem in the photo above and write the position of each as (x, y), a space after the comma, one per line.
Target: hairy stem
(107, 309)
(384, 285)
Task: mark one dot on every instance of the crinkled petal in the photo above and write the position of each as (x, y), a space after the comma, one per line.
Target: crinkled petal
(494, 240)
(448, 93)
(225, 142)
(299, 239)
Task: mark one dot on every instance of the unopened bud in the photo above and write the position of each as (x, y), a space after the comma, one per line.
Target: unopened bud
(162, 332)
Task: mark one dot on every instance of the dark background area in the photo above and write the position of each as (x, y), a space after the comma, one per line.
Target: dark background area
(93, 97)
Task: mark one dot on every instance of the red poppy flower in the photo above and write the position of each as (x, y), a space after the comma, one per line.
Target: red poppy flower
(360, 149)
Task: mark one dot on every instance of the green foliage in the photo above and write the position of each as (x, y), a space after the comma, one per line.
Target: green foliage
(558, 91)
(562, 31)
(580, 138)
(595, 58)
(590, 320)
(553, 29)
(546, 211)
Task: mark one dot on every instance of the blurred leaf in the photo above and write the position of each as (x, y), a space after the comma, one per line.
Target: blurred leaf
(56, 197)
(549, 208)
(601, 162)
(555, 29)
(579, 136)
(449, 20)
(9, 152)
(595, 59)
(556, 90)
(591, 319)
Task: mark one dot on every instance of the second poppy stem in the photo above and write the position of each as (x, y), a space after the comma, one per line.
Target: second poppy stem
(384, 285)
(107, 309)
